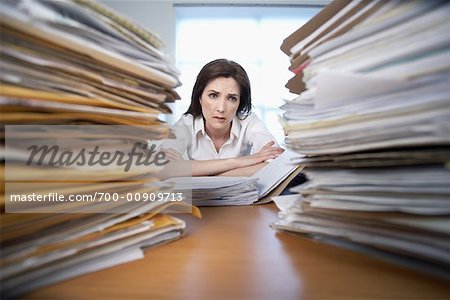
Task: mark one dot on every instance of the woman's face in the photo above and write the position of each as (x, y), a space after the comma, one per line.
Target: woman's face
(220, 101)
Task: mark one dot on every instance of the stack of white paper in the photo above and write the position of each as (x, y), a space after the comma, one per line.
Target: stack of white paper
(373, 121)
(224, 190)
(217, 190)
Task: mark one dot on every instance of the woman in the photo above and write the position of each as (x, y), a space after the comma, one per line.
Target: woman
(218, 132)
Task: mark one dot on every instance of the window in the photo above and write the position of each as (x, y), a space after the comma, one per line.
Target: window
(251, 36)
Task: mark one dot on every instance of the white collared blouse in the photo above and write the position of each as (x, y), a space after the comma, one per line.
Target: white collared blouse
(247, 137)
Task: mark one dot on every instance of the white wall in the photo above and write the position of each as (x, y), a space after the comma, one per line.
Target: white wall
(288, 2)
(159, 16)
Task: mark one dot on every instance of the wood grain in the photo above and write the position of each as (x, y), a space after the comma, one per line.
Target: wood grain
(233, 254)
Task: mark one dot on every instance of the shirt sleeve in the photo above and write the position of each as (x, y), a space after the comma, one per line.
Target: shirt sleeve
(181, 136)
(258, 134)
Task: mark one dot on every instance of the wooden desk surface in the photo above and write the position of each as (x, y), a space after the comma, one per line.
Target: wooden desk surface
(233, 254)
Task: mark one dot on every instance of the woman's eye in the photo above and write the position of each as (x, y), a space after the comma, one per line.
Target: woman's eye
(212, 95)
(233, 99)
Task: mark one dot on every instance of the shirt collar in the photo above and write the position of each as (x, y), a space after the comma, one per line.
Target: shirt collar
(199, 126)
(235, 127)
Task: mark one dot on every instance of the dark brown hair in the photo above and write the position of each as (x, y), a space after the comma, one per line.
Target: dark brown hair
(221, 68)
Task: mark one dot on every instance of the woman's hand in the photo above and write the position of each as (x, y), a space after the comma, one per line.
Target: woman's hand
(267, 152)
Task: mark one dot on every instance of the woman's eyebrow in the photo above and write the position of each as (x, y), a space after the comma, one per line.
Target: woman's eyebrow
(235, 95)
(213, 91)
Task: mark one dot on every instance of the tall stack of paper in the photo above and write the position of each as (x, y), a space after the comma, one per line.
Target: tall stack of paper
(74, 61)
(373, 121)
(80, 92)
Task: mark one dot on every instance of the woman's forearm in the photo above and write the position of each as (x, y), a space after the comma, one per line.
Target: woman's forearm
(245, 171)
(213, 167)
(238, 166)
(186, 168)
(243, 166)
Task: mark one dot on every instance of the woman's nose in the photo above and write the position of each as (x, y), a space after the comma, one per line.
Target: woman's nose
(221, 106)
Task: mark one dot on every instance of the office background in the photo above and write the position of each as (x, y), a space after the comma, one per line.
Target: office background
(249, 32)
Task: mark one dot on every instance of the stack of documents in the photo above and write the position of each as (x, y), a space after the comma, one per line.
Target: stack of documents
(225, 190)
(41, 249)
(81, 89)
(72, 62)
(217, 190)
(373, 121)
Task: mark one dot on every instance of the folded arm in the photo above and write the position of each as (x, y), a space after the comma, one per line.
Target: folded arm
(245, 171)
(238, 166)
